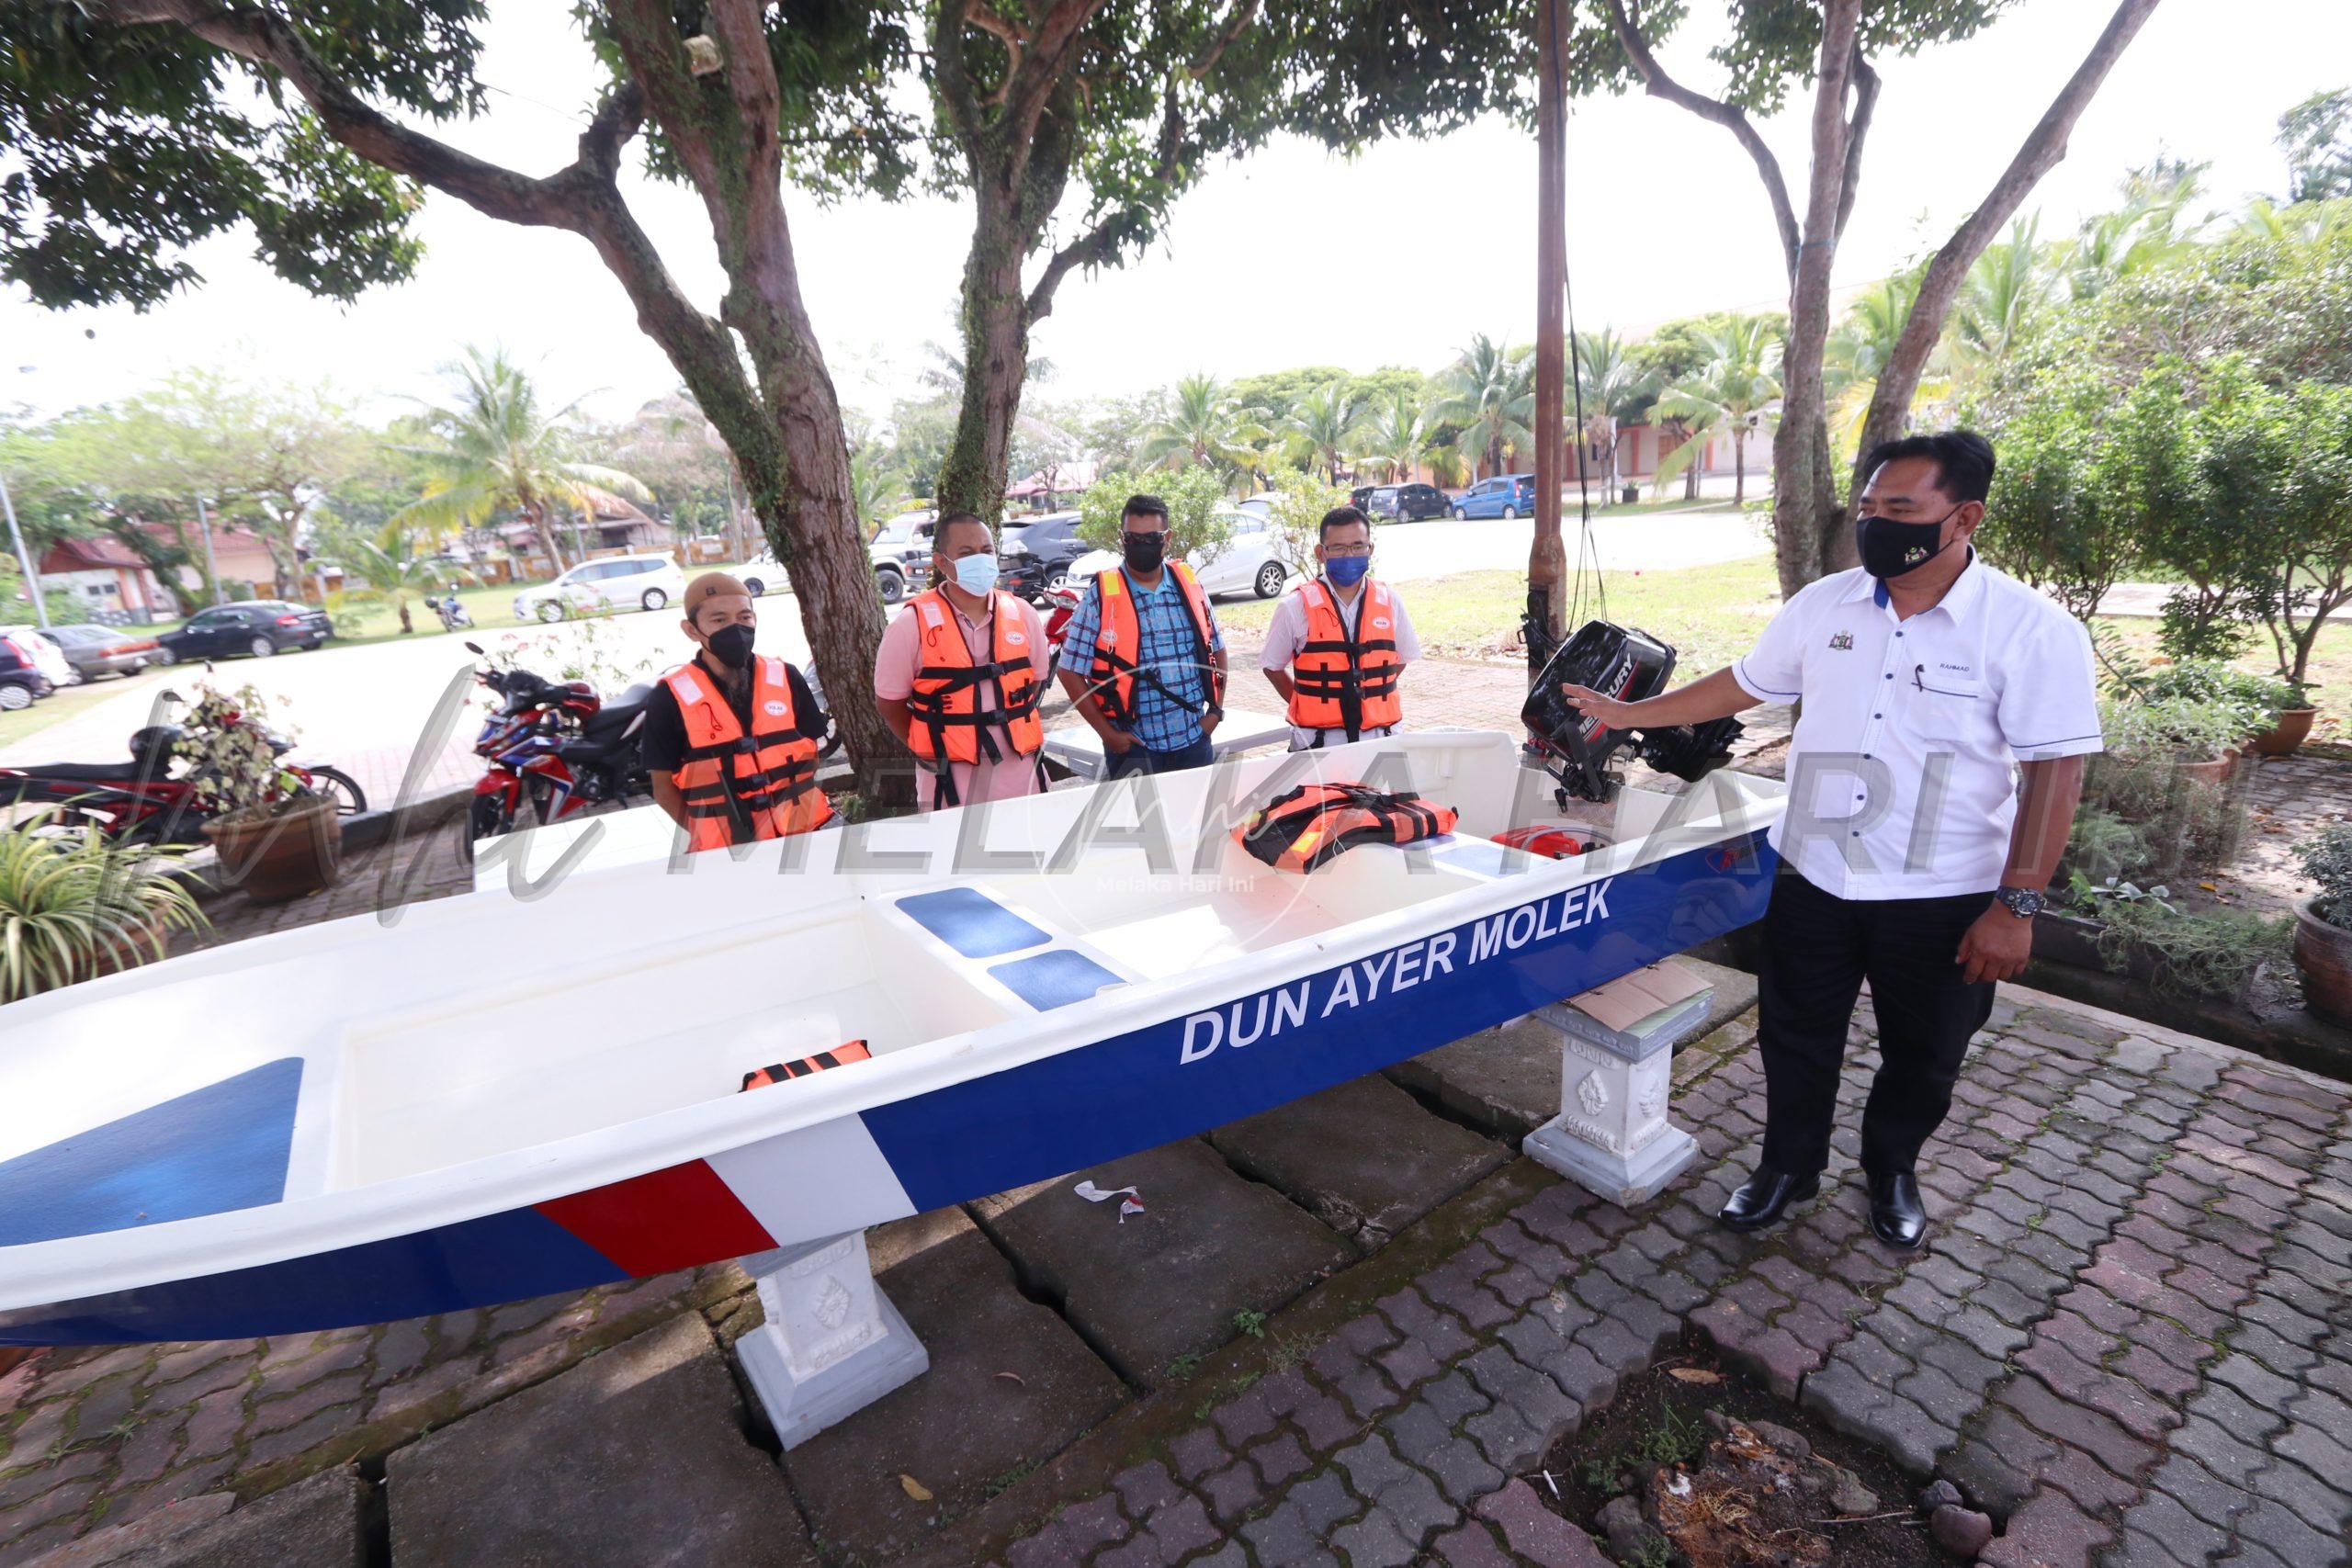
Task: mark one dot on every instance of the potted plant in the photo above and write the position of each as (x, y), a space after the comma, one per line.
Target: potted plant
(275, 839)
(2323, 925)
(74, 907)
(2290, 721)
(2194, 736)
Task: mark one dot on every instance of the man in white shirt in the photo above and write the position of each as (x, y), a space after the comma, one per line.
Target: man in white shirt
(1336, 673)
(1946, 710)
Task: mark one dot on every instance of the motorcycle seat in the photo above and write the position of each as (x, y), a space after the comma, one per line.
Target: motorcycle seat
(617, 715)
(87, 772)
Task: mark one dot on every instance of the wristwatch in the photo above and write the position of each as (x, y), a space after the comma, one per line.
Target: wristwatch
(2022, 902)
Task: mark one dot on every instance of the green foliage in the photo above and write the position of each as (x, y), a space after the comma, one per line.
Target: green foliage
(1489, 393)
(1328, 421)
(2172, 729)
(1204, 428)
(2316, 136)
(73, 906)
(1738, 379)
(1198, 520)
(1251, 1323)
(2212, 954)
(1295, 521)
(2327, 861)
(2255, 699)
(225, 741)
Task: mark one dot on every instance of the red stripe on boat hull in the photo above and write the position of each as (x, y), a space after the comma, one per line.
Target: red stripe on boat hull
(662, 1220)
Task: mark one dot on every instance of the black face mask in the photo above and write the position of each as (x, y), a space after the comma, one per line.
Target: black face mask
(733, 645)
(1889, 549)
(1145, 552)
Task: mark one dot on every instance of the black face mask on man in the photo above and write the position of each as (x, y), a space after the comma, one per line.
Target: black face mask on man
(1889, 549)
(733, 645)
(1144, 551)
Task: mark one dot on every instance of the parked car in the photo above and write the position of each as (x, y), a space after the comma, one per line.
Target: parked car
(1034, 557)
(1246, 563)
(258, 626)
(1404, 503)
(95, 650)
(21, 681)
(1505, 495)
(46, 655)
(901, 555)
(764, 572)
(604, 585)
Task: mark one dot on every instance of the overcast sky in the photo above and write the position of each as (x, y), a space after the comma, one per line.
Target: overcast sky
(1294, 257)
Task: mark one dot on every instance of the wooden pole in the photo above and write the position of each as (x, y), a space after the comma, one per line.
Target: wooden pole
(1547, 560)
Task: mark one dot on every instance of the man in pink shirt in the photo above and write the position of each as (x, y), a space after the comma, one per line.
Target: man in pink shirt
(988, 695)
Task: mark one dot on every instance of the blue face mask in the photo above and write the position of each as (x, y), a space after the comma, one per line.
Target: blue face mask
(1347, 570)
(976, 574)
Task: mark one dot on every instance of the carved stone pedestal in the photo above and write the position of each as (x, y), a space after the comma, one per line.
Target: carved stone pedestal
(832, 1342)
(1611, 1135)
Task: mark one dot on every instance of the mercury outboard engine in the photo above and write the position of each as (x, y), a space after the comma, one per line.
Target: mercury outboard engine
(1629, 665)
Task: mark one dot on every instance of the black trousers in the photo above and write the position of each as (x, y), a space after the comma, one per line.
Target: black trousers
(1817, 952)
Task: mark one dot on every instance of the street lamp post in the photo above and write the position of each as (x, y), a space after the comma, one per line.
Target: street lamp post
(24, 556)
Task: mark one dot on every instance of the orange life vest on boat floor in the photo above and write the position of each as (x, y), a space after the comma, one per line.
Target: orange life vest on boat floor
(1120, 638)
(1341, 681)
(779, 1072)
(949, 724)
(742, 788)
(1301, 828)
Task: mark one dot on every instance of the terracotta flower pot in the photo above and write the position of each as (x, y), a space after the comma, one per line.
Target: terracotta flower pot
(280, 857)
(2293, 727)
(2215, 773)
(2324, 954)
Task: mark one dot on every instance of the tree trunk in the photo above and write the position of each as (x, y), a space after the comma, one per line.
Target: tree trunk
(996, 360)
(407, 625)
(1738, 464)
(535, 513)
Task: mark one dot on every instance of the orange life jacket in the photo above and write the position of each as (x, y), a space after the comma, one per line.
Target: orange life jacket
(949, 723)
(781, 1072)
(1301, 828)
(1120, 637)
(741, 788)
(1343, 680)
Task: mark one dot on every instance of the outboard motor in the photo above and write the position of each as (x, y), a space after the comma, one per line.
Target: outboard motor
(1630, 665)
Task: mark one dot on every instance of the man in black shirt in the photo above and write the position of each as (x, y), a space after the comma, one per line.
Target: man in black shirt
(722, 621)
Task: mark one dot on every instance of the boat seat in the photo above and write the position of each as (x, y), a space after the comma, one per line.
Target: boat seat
(1040, 968)
(224, 1146)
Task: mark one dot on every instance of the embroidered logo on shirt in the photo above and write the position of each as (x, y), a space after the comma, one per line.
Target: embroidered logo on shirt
(1842, 641)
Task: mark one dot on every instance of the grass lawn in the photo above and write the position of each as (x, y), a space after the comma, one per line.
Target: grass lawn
(2330, 675)
(492, 610)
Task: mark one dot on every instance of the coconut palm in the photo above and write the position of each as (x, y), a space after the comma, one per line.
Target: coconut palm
(1612, 385)
(1394, 431)
(1739, 381)
(1204, 428)
(499, 450)
(1491, 392)
(1859, 347)
(876, 489)
(390, 565)
(2003, 300)
(2147, 231)
(1328, 421)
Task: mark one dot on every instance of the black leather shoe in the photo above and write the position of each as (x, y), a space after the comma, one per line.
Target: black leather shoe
(1897, 1216)
(1763, 1197)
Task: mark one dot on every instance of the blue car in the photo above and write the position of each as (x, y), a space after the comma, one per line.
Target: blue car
(1505, 495)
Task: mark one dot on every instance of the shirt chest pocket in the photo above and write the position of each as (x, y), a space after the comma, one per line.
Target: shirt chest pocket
(1949, 706)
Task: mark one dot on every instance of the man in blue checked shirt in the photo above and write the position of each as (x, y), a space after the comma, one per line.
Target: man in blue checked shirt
(1143, 660)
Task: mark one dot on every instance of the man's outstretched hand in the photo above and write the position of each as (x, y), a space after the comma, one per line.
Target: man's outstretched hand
(1592, 705)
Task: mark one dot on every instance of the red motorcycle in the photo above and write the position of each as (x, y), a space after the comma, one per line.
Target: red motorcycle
(142, 801)
(1060, 604)
(556, 745)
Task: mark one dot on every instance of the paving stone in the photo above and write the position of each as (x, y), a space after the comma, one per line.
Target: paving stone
(960, 1429)
(315, 1523)
(1364, 1157)
(1167, 1281)
(1536, 1533)
(563, 1472)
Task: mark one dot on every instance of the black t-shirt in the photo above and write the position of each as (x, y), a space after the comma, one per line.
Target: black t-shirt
(662, 743)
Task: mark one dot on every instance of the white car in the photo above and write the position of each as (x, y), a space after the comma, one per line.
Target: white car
(762, 575)
(604, 585)
(1246, 563)
(47, 657)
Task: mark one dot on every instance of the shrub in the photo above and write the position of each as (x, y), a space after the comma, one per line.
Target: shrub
(1295, 525)
(2259, 699)
(1199, 518)
(73, 906)
(2327, 861)
(2172, 728)
(2213, 953)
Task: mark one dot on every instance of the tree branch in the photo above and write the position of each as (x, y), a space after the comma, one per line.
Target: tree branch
(1729, 115)
(1053, 47)
(2040, 151)
(1244, 13)
(265, 39)
(1101, 242)
(953, 71)
(1858, 129)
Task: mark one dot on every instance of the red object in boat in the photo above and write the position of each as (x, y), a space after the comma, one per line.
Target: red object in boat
(1556, 843)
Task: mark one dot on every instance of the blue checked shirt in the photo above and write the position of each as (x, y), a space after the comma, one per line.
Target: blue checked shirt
(1164, 628)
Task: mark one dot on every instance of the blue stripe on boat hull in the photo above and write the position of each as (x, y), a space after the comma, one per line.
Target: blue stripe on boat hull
(1128, 1092)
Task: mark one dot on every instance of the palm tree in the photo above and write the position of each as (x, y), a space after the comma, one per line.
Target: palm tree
(499, 450)
(1738, 383)
(1394, 431)
(1610, 383)
(2003, 299)
(876, 487)
(1328, 419)
(392, 565)
(2147, 231)
(1859, 349)
(1491, 392)
(1204, 427)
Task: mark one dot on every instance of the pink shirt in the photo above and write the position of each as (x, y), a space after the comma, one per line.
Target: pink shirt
(894, 681)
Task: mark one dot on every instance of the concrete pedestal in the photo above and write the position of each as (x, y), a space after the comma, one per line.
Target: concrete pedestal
(832, 1342)
(1611, 1135)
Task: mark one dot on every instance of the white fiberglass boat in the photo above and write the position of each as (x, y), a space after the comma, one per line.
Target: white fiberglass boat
(492, 1097)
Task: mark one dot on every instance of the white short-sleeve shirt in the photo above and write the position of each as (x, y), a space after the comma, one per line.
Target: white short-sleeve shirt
(1901, 781)
(1286, 634)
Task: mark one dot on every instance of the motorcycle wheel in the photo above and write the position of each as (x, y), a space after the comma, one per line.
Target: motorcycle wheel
(485, 819)
(349, 799)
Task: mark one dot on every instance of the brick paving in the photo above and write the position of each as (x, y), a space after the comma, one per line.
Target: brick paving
(2130, 1338)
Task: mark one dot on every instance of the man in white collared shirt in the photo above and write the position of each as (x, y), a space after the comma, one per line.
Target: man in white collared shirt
(1945, 713)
